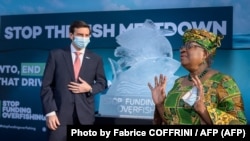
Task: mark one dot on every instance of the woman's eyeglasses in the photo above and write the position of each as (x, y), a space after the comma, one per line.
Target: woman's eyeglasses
(189, 46)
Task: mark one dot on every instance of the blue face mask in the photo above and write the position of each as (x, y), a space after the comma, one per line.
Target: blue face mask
(190, 97)
(81, 42)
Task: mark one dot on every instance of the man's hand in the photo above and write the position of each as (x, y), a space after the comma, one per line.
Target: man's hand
(52, 122)
(81, 87)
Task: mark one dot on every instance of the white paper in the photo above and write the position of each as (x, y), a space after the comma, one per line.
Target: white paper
(190, 97)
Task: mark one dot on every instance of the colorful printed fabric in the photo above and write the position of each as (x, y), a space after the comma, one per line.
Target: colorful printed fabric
(206, 39)
(222, 99)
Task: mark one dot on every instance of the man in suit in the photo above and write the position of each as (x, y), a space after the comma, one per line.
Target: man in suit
(68, 98)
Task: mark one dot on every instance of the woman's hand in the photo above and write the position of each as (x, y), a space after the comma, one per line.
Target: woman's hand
(199, 105)
(158, 91)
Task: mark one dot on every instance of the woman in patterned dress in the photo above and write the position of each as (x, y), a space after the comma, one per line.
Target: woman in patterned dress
(203, 97)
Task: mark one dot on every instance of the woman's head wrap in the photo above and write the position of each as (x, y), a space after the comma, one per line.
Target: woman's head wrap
(208, 40)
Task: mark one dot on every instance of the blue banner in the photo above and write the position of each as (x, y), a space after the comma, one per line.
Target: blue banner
(47, 31)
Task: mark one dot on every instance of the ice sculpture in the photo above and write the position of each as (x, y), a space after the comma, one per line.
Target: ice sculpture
(144, 53)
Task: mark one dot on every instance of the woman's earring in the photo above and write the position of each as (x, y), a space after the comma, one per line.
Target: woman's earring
(204, 62)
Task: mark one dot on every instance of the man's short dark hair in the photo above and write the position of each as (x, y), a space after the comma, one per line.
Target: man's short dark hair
(78, 24)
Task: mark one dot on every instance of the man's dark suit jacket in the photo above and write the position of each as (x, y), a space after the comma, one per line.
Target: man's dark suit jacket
(59, 73)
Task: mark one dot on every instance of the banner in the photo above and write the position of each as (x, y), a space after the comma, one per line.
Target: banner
(47, 31)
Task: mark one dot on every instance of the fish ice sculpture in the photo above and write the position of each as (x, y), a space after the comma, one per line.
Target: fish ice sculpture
(144, 53)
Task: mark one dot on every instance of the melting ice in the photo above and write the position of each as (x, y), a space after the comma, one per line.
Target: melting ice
(144, 52)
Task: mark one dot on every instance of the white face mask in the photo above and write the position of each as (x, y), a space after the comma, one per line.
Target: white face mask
(81, 42)
(191, 96)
